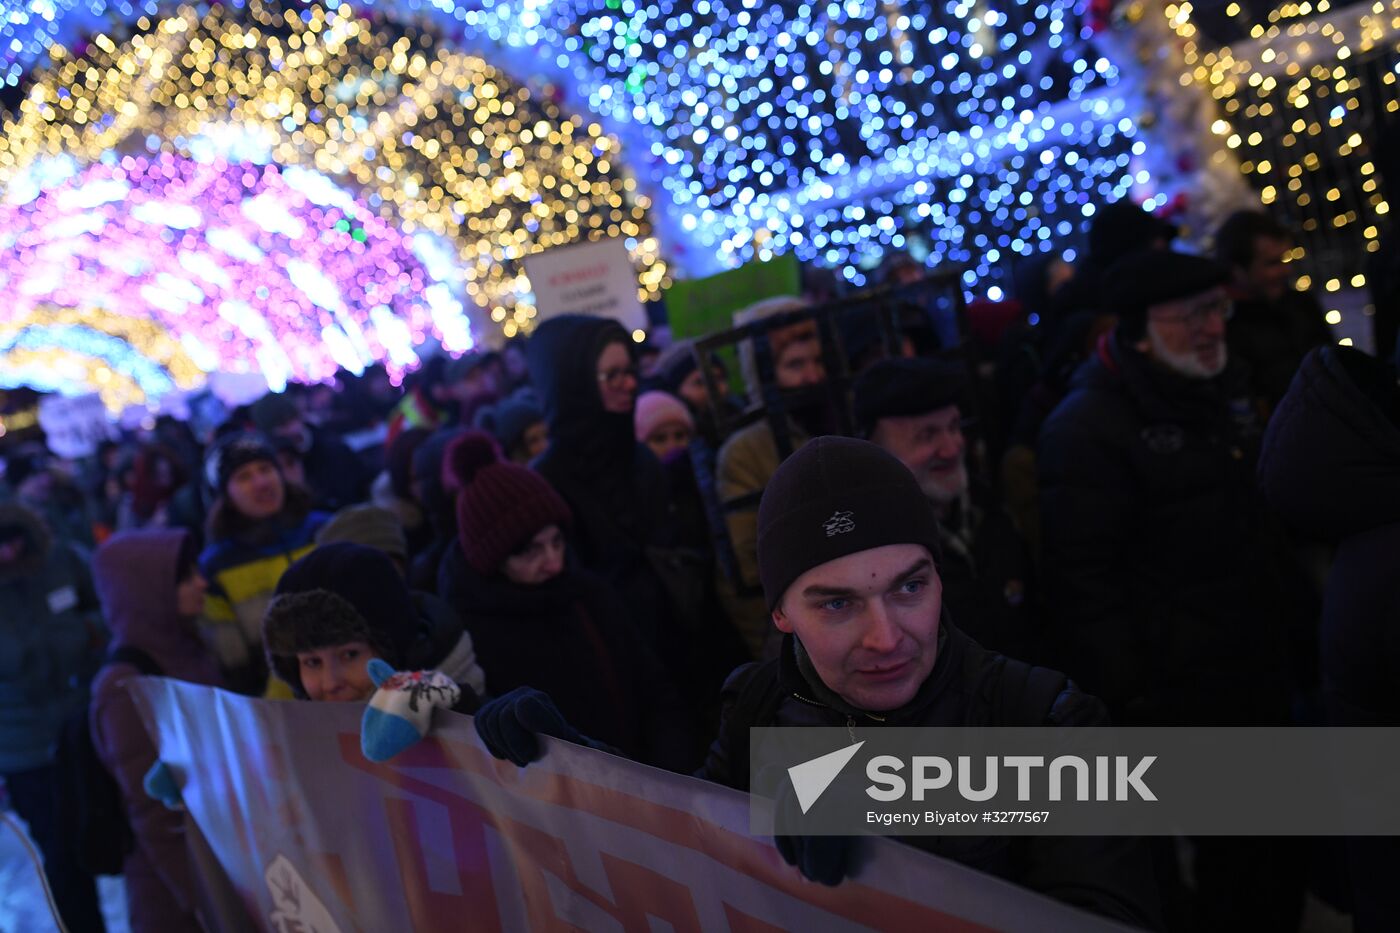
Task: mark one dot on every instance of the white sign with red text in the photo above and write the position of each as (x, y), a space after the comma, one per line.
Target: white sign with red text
(587, 278)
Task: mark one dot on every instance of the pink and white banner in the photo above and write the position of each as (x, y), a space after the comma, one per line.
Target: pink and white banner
(294, 830)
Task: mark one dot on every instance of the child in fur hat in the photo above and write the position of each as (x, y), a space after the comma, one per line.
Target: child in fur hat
(339, 628)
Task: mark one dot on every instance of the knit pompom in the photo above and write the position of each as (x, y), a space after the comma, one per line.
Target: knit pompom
(466, 456)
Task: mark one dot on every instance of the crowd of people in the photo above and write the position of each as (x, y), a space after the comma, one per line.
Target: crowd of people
(1160, 496)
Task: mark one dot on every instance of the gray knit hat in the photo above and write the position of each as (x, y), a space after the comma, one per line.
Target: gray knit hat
(369, 525)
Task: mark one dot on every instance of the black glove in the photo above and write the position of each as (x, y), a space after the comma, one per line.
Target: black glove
(510, 725)
(824, 859)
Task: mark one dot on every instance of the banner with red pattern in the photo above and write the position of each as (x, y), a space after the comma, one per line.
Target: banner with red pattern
(292, 829)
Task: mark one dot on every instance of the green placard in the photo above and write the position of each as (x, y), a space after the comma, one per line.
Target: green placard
(698, 307)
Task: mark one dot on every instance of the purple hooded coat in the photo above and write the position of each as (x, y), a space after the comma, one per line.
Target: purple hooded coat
(135, 573)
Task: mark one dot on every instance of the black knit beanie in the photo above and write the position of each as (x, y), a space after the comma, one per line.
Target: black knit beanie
(233, 451)
(837, 496)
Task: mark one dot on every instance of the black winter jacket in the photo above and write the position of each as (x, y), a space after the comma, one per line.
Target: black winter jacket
(1165, 577)
(614, 486)
(968, 686)
(1331, 467)
(988, 577)
(573, 639)
(1273, 337)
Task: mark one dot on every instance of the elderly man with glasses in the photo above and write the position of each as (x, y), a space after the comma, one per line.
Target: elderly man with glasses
(1170, 591)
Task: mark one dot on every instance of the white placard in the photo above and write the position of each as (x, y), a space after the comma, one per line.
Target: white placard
(74, 426)
(586, 278)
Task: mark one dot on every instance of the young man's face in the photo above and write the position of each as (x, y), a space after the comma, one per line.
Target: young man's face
(800, 365)
(869, 623)
(1188, 335)
(932, 446)
(339, 674)
(256, 489)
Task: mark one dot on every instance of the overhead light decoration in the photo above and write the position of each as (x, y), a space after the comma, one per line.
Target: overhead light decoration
(296, 189)
(1302, 95)
(961, 132)
(200, 266)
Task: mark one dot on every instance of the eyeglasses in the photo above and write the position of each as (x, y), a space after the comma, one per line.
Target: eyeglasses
(615, 377)
(1196, 315)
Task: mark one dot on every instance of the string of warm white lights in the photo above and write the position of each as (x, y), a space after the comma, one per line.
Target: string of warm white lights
(1300, 100)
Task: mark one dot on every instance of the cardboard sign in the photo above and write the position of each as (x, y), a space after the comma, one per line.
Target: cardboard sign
(587, 278)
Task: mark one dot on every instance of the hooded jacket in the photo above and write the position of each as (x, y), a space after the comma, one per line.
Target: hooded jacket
(135, 573)
(614, 485)
(51, 642)
(968, 687)
(1166, 578)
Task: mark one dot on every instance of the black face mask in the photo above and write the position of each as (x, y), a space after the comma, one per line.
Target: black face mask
(816, 415)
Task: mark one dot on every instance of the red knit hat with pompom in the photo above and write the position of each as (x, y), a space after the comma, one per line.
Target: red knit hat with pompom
(500, 506)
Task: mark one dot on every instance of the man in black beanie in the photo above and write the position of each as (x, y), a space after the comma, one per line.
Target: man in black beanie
(913, 409)
(1170, 591)
(848, 545)
(848, 555)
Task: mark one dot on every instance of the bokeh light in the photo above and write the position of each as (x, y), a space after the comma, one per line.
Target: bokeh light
(425, 177)
(236, 265)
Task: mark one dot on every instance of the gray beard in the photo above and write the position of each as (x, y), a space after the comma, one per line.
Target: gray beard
(944, 494)
(1186, 364)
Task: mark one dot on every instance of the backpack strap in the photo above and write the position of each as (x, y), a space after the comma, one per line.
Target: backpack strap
(756, 705)
(1027, 693)
(130, 654)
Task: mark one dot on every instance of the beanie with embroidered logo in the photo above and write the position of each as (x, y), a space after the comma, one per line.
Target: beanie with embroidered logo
(834, 497)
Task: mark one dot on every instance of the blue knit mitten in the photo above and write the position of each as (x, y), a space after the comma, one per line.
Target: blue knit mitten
(159, 783)
(401, 710)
